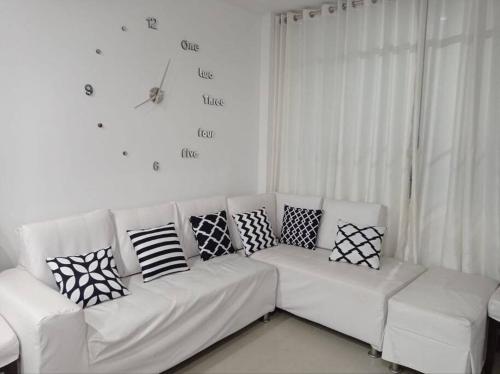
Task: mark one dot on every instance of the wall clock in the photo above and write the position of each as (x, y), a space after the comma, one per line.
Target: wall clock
(156, 94)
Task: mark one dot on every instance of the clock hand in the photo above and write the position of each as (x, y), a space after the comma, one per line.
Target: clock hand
(144, 102)
(155, 93)
(165, 73)
(163, 78)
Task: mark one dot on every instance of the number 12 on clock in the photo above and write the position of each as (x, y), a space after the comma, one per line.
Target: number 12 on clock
(152, 23)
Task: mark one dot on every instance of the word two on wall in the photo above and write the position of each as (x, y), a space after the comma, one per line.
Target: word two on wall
(205, 74)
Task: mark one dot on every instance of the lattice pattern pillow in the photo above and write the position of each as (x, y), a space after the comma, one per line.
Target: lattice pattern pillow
(159, 251)
(88, 279)
(300, 227)
(212, 235)
(358, 244)
(255, 230)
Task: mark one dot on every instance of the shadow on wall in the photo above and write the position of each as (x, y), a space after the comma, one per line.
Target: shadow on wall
(5, 261)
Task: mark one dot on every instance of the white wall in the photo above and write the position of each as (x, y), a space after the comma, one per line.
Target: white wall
(54, 161)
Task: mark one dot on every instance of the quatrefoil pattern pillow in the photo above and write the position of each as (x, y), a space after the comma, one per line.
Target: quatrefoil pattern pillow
(300, 227)
(212, 235)
(358, 244)
(88, 279)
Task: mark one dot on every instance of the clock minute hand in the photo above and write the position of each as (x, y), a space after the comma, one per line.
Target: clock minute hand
(164, 75)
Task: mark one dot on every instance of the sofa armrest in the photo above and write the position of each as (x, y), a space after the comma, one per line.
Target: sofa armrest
(51, 329)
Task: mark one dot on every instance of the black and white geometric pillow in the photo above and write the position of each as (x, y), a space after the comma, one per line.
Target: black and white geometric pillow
(300, 227)
(159, 251)
(88, 279)
(358, 245)
(255, 230)
(212, 235)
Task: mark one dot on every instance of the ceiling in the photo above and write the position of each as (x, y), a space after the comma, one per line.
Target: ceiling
(275, 6)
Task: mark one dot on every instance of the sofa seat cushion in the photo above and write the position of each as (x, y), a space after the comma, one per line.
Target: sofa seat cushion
(356, 212)
(494, 306)
(442, 315)
(138, 219)
(163, 322)
(198, 207)
(297, 201)
(346, 298)
(68, 236)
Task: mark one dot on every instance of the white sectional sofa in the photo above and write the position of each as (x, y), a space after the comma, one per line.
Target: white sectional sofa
(347, 298)
(165, 321)
(158, 325)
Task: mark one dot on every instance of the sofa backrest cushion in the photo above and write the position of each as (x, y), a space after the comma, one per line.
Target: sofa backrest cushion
(296, 201)
(349, 211)
(198, 207)
(138, 219)
(249, 203)
(68, 236)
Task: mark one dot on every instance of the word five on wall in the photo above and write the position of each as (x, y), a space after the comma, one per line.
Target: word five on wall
(188, 153)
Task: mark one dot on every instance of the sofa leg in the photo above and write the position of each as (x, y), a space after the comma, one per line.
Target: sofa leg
(395, 368)
(373, 353)
(10, 369)
(266, 318)
(491, 348)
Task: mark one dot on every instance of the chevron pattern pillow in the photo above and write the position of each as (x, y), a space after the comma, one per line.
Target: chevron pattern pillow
(255, 231)
(212, 235)
(358, 245)
(300, 227)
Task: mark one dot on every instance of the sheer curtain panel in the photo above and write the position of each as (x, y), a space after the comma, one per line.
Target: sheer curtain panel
(345, 87)
(457, 180)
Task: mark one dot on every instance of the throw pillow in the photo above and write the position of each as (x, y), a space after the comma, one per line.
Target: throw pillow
(159, 251)
(212, 235)
(88, 279)
(255, 230)
(300, 227)
(358, 244)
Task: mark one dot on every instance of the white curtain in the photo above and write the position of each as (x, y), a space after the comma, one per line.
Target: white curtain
(456, 204)
(345, 86)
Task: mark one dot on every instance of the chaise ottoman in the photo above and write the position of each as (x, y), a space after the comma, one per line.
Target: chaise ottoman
(437, 324)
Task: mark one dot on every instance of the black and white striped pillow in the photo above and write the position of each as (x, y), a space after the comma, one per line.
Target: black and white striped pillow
(159, 251)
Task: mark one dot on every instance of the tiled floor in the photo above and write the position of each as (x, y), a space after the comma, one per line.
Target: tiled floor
(286, 344)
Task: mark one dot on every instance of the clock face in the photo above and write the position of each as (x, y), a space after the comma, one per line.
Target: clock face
(139, 79)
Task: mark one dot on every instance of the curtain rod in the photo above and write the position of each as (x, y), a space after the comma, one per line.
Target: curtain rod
(331, 9)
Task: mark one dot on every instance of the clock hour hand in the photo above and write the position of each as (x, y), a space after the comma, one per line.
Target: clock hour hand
(144, 102)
